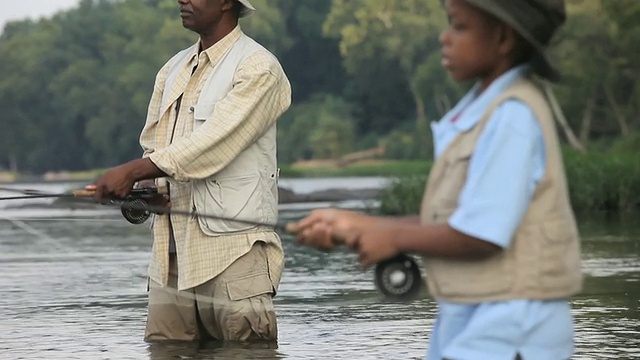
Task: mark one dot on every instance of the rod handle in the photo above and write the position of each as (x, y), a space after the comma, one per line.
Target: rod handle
(90, 193)
(291, 228)
(83, 193)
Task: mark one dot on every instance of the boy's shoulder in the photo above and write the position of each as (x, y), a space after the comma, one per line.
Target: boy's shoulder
(526, 90)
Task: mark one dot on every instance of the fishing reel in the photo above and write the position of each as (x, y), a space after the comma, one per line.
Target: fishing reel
(399, 278)
(133, 212)
(135, 207)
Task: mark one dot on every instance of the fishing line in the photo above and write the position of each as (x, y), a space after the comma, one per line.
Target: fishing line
(21, 191)
(33, 231)
(398, 279)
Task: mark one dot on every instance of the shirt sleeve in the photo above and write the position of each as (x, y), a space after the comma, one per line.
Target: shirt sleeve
(507, 164)
(261, 93)
(147, 136)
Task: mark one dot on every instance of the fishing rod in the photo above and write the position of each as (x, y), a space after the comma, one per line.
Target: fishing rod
(398, 279)
(26, 193)
(136, 208)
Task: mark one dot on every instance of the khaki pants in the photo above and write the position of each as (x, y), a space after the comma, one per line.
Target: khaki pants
(236, 305)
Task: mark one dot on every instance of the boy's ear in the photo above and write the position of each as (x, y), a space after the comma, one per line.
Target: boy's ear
(508, 39)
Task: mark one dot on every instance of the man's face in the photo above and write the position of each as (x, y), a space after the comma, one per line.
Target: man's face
(202, 16)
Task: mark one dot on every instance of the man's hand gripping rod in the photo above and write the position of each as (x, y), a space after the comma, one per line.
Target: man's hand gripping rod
(135, 208)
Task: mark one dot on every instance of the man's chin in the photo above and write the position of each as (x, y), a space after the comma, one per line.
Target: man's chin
(186, 24)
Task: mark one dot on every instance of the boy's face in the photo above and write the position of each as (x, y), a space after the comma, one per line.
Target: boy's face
(472, 44)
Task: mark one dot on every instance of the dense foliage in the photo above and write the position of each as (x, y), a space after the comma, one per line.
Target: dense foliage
(366, 73)
(599, 182)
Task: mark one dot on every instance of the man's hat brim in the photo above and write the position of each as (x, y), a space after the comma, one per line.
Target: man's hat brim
(247, 8)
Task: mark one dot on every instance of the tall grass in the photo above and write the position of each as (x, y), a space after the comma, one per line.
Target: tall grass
(607, 182)
(403, 196)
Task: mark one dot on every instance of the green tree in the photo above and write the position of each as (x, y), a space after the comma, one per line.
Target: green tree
(599, 91)
(321, 128)
(393, 31)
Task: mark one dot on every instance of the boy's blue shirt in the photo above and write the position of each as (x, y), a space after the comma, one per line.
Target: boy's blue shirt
(507, 164)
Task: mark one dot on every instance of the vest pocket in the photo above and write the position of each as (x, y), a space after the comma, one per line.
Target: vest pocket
(202, 112)
(237, 197)
(455, 176)
(467, 278)
(453, 278)
(559, 254)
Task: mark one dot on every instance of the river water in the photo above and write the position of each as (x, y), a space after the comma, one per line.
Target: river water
(73, 287)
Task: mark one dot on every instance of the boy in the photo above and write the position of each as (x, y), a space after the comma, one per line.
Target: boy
(496, 229)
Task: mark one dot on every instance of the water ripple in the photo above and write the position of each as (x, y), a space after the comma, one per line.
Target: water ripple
(80, 293)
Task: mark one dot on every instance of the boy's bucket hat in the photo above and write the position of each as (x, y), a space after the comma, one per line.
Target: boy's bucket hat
(535, 20)
(247, 8)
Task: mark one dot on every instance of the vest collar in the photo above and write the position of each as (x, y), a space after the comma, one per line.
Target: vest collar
(473, 105)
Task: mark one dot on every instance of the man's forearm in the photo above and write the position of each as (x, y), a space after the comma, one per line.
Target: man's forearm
(143, 169)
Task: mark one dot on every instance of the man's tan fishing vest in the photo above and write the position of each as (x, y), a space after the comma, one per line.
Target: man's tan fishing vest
(543, 261)
(244, 192)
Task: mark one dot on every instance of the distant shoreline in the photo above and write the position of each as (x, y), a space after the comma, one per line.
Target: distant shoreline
(306, 169)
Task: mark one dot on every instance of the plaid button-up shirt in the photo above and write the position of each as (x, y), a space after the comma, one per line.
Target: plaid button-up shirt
(261, 93)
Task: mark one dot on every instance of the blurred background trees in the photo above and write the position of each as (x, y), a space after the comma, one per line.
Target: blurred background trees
(365, 73)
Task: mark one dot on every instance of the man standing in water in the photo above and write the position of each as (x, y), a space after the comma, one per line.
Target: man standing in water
(210, 133)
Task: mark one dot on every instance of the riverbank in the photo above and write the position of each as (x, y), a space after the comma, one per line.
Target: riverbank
(333, 191)
(301, 169)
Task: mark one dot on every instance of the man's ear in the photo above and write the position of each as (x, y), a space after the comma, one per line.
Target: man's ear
(228, 5)
(232, 6)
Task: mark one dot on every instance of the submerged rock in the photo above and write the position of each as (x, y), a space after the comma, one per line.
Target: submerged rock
(287, 196)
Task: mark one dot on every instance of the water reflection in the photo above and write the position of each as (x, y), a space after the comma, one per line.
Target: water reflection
(78, 292)
(214, 350)
(607, 312)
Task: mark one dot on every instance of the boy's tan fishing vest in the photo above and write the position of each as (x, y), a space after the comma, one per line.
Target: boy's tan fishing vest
(543, 261)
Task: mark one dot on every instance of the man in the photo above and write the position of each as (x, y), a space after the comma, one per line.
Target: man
(210, 132)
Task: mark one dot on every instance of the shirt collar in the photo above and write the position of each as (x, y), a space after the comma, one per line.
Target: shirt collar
(217, 50)
(474, 105)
